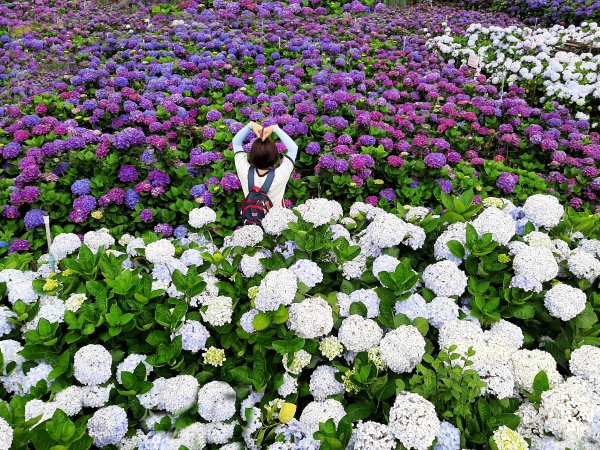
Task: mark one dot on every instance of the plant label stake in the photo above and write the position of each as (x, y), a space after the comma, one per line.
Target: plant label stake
(279, 41)
(51, 260)
(473, 61)
(502, 86)
(404, 46)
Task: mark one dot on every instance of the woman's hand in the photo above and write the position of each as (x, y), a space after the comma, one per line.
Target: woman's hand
(256, 128)
(268, 131)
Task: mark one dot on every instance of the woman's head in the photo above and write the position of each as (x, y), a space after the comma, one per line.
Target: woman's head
(263, 154)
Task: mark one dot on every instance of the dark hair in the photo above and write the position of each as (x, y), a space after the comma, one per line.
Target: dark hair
(263, 154)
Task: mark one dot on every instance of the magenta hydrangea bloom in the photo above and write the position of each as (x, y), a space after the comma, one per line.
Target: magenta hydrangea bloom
(435, 160)
(146, 215)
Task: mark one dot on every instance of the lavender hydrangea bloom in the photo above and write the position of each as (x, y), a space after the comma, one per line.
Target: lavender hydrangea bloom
(435, 160)
(81, 187)
(34, 218)
(507, 182)
(128, 138)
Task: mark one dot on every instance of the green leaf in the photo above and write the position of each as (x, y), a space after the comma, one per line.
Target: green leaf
(358, 308)
(261, 321)
(540, 383)
(422, 325)
(288, 346)
(358, 411)
(456, 248)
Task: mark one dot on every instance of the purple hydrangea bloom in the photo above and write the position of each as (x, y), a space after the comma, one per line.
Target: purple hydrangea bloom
(445, 185)
(19, 245)
(85, 203)
(340, 165)
(313, 148)
(12, 150)
(164, 228)
(389, 194)
(146, 215)
(435, 160)
(198, 190)
(128, 138)
(507, 182)
(81, 187)
(213, 115)
(230, 182)
(34, 218)
(128, 173)
(132, 198)
(180, 232)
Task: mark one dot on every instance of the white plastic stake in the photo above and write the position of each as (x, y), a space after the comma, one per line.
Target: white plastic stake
(49, 241)
(279, 41)
(502, 87)
(404, 45)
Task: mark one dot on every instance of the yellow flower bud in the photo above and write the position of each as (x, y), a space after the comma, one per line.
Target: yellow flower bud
(287, 412)
(97, 215)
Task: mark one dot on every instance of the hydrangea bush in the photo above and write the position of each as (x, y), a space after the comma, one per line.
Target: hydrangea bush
(130, 126)
(462, 326)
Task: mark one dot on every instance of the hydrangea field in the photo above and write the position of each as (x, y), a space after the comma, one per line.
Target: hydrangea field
(432, 283)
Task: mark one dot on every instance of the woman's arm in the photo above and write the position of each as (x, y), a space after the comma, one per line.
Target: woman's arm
(238, 139)
(290, 145)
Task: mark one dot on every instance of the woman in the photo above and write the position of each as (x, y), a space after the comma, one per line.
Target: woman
(259, 166)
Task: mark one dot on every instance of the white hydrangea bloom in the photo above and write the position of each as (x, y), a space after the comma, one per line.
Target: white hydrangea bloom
(384, 263)
(441, 310)
(538, 239)
(178, 394)
(448, 437)
(506, 439)
(543, 210)
(251, 265)
(585, 361)
(70, 400)
(497, 222)
(592, 246)
(300, 360)
(531, 421)
(19, 285)
(245, 237)
(358, 334)
(414, 236)
(367, 209)
(402, 349)
(193, 336)
(218, 310)
(130, 363)
(247, 320)
(289, 386)
(564, 302)
(160, 251)
(318, 412)
(6, 326)
(278, 287)
(320, 211)
(462, 333)
(323, 383)
(135, 243)
(96, 239)
(354, 269)
(533, 266)
(584, 265)
(373, 436)
(413, 307)
(6, 435)
(568, 410)
(339, 231)
(367, 297)
(35, 408)
(416, 213)
(455, 232)
(311, 318)
(492, 362)
(331, 347)
(193, 436)
(216, 401)
(219, 432)
(74, 302)
(510, 332)
(200, 217)
(528, 363)
(63, 245)
(107, 426)
(95, 396)
(308, 272)
(445, 279)
(413, 421)
(387, 230)
(92, 365)
(277, 220)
